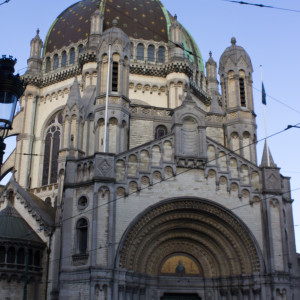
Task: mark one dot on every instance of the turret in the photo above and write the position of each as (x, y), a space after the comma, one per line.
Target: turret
(235, 70)
(35, 61)
(96, 28)
(212, 82)
(177, 81)
(176, 46)
(211, 73)
(112, 87)
(277, 209)
(73, 115)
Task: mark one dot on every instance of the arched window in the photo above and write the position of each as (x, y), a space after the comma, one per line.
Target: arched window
(242, 92)
(55, 62)
(151, 53)
(72, 56)
(80, 48)
(160, 131)
(115, 75)
(232, 93)
(52, 142)
(161, 55)
(64, 59)
(82, 233)
(140, 52)
(48, 64)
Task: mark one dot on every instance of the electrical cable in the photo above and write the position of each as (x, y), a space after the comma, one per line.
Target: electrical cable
(176, 175)
(173, 176)
(178, 226)
(188, 51)
(279, 101)
(160, 35)
(6, 1)
(262, 5)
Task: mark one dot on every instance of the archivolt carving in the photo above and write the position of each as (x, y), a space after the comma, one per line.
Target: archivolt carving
(215, 237)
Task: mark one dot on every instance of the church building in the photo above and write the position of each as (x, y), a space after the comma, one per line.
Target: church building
(141, 179)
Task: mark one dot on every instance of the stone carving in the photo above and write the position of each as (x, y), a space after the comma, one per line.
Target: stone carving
(272, 181)
(104, 166)
(196, 211)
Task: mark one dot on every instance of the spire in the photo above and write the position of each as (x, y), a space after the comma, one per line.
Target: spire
(264, 160)
(211, 69)
(96, 28)
(176, 39)
(74, 96)
(35, 62)
(211, 60)
(36, 46)
(213, 84)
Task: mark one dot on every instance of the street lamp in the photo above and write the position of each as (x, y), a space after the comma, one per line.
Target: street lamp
(11, 89)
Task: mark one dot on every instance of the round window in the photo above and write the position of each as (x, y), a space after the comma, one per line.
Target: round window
(82, 202)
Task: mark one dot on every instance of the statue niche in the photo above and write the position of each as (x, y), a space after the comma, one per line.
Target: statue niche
(190, 130)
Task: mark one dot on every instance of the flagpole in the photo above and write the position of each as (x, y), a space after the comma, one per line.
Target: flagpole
(265, 118)
(107, 98)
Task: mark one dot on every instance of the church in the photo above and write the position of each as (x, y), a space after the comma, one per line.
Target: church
(141, 179)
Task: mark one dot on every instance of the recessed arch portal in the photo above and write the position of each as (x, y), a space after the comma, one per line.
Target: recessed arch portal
(191, 230)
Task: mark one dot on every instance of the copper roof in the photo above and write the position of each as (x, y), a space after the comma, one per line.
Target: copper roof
(13, 226)
(145, 19)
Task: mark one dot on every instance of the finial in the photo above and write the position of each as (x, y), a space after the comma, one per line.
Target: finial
(175, 17)
(233, 41)
(37, 31)
(210, 53)
(114, 22)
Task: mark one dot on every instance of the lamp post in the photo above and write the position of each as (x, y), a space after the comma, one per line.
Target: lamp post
(11, 89)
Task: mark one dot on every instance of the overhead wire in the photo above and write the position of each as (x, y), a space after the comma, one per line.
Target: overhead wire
(262, 5)
(4, 2)
(199, 57)
(279, 101)
(158, 34)
(177, 45)
(178, 174)
(175, 175)
(189, 52)
(177, 226)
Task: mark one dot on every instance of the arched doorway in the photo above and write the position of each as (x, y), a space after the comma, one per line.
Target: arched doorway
(186, 242)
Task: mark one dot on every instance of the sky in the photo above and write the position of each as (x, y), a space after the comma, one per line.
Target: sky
(270, 37)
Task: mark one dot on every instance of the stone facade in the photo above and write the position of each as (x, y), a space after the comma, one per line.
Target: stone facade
(151, 171)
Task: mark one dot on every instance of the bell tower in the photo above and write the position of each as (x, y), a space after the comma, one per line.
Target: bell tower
(235, 70)
(111, 121)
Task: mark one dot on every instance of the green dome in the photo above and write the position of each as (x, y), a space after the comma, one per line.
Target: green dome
(139, 19)
(14, 227)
